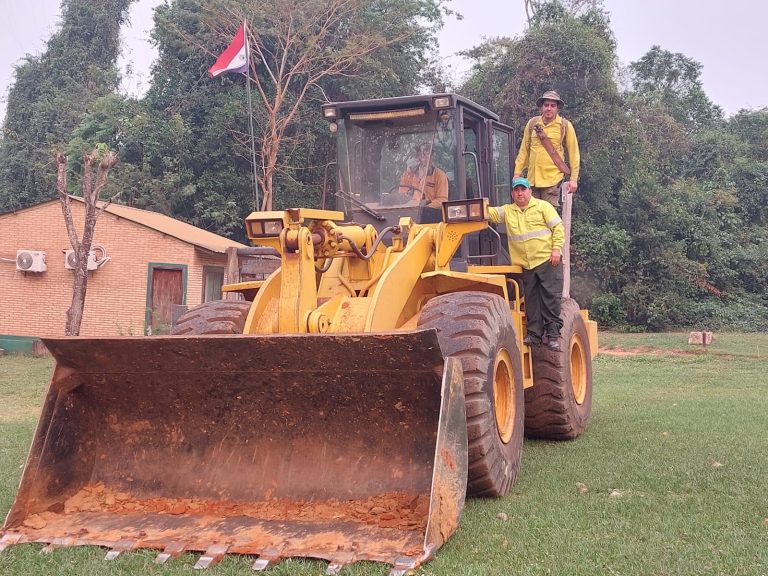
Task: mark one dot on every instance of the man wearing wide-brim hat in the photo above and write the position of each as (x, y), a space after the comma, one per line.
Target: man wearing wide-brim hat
(549, 151)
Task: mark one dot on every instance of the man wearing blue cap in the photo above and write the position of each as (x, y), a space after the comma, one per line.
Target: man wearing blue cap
(535, 235)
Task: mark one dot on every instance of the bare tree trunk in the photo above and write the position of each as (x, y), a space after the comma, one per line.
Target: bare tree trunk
(75, 311)
(91, 193)
(270, 149)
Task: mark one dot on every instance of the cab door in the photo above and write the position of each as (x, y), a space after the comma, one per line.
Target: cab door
(474, 176)
(500, 152)
(501, 146)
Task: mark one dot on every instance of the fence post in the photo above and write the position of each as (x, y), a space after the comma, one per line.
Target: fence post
(232, 273)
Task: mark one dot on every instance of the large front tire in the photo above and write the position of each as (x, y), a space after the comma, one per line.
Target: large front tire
(215, 317)
(476, 327)
(559, 404)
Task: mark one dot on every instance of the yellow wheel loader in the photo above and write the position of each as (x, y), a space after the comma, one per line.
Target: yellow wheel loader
(342, 408)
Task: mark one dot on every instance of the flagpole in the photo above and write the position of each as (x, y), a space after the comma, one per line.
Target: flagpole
(250, 120)
(253, 148)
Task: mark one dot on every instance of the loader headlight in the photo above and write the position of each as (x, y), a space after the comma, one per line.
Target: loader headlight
(264, 228)
(441, 102)
(388, 114)
(464, 211)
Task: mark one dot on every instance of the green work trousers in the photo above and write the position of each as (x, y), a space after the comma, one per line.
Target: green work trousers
(543, 289)
(551, 194)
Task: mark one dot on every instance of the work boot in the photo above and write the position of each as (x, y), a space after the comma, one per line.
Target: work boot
(554, 345)
(531, 340)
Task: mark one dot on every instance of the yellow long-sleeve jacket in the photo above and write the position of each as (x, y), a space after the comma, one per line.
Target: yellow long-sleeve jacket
(532, 233)
(542, 172)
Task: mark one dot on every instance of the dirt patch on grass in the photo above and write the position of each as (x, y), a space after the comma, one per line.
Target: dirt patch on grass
(649, 351)
(668, 352)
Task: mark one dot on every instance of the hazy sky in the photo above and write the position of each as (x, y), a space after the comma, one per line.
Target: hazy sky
(729, 39)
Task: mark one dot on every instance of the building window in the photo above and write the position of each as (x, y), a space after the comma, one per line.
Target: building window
(213, 278)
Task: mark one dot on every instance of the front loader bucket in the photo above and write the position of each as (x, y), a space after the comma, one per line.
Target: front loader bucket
(339, 447)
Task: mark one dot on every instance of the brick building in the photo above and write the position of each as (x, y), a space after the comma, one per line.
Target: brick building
(143, 263)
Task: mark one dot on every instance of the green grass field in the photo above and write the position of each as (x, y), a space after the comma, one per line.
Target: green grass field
(671, 477)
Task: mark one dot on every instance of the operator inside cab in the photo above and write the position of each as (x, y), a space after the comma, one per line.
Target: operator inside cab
(426, 184)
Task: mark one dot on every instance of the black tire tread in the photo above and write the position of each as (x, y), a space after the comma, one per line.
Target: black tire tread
(551, 411)
(215, 317)
(468, 324)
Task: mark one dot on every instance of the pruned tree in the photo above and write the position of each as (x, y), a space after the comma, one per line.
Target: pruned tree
(296, 46)
(92, 188)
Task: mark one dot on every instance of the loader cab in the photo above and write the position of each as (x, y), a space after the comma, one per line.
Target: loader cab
(393, 153)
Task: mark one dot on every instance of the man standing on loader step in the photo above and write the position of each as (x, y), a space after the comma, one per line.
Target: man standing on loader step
(535, 235)
(545, 138)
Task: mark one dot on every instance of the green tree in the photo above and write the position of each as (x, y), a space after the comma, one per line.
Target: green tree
(210, 168)
(748, 130)
(666, 218)
(533, 8)
(575, 55)
(153, 171)
(296, 46)
(674, 81)
(52, 92)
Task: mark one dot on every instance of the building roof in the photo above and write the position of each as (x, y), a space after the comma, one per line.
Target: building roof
(167, 225)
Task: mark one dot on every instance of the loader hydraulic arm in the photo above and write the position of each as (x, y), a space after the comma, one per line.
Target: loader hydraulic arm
(340, 278)
(309, 241)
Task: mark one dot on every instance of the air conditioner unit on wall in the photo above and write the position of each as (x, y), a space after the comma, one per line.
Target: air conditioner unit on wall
(70, 260)
(30, 261)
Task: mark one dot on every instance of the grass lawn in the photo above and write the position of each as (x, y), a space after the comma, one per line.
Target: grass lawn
(671, 477)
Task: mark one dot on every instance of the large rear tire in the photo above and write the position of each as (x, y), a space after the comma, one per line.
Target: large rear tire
(216, 317)
(559, 404)
(476, 327)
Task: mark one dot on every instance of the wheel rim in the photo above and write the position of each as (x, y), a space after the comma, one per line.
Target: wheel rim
(578, 369)
(504, 395)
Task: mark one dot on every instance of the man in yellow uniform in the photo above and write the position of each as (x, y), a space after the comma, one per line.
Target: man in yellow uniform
(545, 172)
(535, 235)
(426, 183)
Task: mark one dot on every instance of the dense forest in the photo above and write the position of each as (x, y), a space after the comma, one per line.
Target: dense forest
(670, 215)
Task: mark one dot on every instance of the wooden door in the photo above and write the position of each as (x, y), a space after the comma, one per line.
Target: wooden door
(167, 290)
